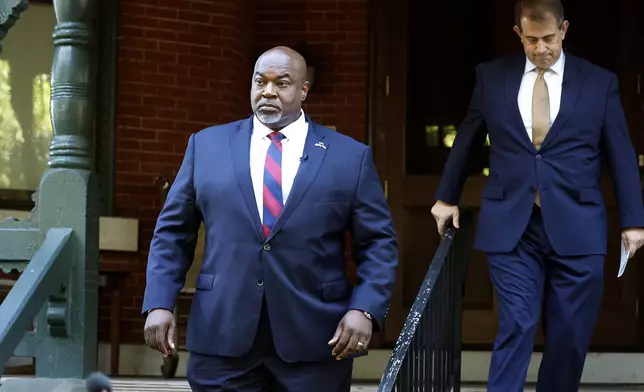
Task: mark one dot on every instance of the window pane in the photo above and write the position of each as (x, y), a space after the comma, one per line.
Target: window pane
(25, 125)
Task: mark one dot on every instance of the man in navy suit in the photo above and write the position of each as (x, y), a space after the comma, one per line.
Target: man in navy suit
(552, 119)
(273, 308)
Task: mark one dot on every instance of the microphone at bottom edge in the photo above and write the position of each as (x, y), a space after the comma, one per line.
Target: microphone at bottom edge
(98, 382)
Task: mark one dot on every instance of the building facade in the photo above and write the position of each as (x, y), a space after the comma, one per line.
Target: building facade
(396, 75)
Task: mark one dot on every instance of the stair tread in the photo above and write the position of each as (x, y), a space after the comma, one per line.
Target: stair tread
(148, 385)
(181, 385)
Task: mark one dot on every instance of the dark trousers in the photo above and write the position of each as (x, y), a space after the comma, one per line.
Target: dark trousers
(261, 370)
(533, 280)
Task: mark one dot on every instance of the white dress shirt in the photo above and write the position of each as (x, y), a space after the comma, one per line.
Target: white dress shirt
(554, 80)
(292, 150)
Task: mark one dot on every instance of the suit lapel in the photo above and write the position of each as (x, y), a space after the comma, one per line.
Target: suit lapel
(240, 151)
(315, 150)
(572, 81)
(512, 85)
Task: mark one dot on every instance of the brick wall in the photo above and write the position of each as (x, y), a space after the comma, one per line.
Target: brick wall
(186, 64)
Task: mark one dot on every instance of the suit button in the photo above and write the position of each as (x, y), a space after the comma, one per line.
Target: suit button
(267, 247)
(538, 157)
(260, 282)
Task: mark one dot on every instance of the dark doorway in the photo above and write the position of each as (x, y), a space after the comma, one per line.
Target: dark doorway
(425, 55)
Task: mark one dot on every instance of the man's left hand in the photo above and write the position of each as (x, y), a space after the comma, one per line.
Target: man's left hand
(352, 335)
(633, 239)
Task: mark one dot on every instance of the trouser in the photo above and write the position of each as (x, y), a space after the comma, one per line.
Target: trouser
(261, 370)
(533, 280)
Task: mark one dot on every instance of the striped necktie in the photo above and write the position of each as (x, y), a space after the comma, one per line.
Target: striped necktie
(273, 200)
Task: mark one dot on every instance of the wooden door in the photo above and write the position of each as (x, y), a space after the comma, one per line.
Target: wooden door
(420, 53)
(620, 323)
(425, 57)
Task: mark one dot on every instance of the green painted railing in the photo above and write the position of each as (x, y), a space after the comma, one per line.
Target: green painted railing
(47, 273)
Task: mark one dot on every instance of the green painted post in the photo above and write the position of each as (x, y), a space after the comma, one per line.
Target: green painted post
(65, 341)
(66, 329)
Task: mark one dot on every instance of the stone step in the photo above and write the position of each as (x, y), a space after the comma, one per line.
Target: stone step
(584, 388)
(150, 385)
(139, 385)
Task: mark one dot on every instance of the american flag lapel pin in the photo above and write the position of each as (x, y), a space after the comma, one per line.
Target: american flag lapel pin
(320, 144)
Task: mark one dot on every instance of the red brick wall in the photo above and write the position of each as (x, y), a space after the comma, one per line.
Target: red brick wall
(186, 64)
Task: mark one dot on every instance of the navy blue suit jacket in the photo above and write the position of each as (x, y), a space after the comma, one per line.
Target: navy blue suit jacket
(300, 268)
(589, 129)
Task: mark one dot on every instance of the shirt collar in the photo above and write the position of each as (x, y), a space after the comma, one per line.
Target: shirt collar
(260, 130)
(557, 67)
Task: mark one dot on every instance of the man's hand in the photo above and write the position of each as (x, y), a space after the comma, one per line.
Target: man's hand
(633, 239)
(161, 331)
(353, 334)
(444, 213)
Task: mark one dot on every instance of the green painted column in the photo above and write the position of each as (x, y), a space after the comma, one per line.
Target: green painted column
(66, 329)
(65, 341)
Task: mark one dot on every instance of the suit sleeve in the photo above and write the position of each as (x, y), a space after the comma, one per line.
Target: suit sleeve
(622, 160)
(175, 237)
(470, 136)
(375, 246)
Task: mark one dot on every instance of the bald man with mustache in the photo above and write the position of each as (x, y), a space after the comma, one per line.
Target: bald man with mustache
(274, 309)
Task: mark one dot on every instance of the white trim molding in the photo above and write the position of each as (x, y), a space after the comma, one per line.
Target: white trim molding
(115, 234)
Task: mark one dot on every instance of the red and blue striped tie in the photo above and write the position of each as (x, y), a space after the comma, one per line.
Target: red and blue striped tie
(273, 200)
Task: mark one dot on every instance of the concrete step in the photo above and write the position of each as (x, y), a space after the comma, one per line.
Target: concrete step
(139, 385)
(150, 385)
(584, 388)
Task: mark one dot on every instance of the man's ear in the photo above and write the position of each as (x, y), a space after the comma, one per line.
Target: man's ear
(564, 29)
(305, 89)
(517, 30)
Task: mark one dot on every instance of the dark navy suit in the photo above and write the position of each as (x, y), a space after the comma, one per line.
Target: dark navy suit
(274, 300)
(549, 258)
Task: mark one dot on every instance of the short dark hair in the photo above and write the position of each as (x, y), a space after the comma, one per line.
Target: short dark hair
(537, 10)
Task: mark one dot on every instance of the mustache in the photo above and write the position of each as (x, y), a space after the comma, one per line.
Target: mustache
(269, 104)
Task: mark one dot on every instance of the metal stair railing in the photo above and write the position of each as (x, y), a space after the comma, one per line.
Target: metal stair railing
(427, 354)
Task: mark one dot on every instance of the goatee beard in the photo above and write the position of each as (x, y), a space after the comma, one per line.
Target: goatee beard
(269, 119)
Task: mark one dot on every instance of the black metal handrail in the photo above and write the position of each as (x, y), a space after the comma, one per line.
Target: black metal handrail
(427, 355)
